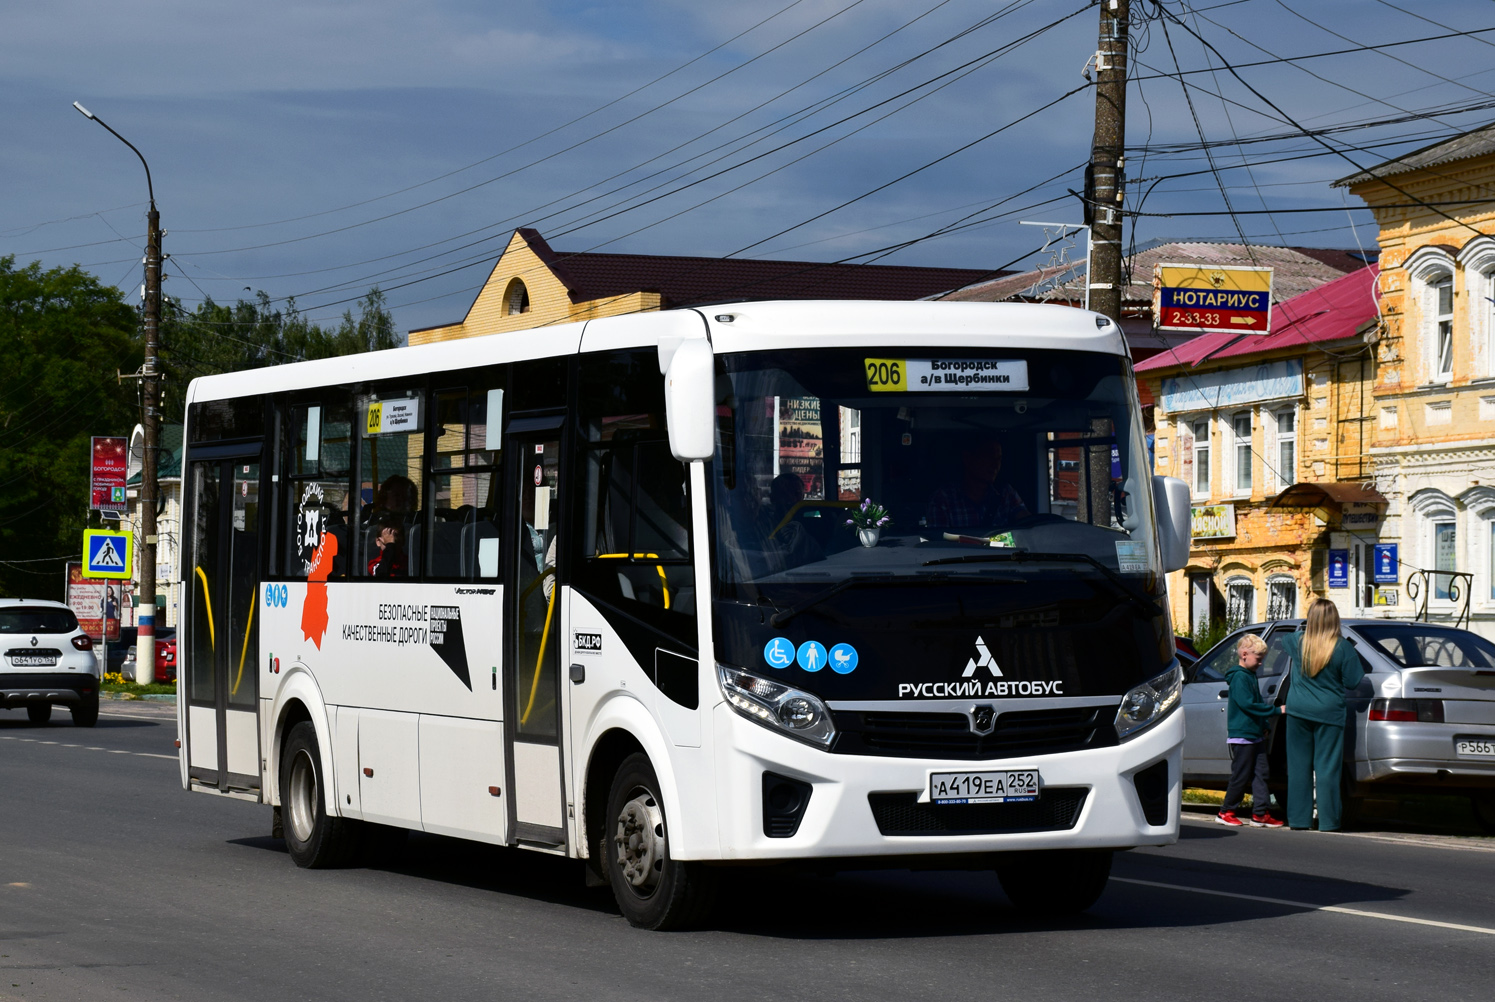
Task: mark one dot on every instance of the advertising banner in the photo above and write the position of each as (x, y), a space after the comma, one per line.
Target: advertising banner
(1385, 568)
(1214, 521)
(88, 599)
(1339, 568)
(108, 470)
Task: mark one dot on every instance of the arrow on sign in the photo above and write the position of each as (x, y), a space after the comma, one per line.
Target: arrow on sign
(1248, 321)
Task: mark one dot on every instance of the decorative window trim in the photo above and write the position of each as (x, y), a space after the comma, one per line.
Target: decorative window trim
(1478, 261)
(1424, 267)
(1480, 501)
(1430, 503)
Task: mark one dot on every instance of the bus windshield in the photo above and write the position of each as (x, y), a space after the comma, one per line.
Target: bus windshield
(997, 483)
(977, 476)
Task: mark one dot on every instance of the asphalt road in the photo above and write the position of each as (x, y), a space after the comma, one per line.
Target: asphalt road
(116, 884)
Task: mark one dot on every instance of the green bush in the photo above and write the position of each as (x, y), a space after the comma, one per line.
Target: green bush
(1207, 633)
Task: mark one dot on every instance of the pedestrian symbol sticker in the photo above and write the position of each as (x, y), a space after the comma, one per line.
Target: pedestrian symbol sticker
(107, 554)
(779, 653)
(811, 656)
(843, 659)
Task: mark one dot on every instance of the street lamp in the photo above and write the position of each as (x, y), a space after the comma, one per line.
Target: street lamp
(145, 651)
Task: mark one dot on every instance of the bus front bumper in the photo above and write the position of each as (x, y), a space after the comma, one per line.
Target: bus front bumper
(862, 805)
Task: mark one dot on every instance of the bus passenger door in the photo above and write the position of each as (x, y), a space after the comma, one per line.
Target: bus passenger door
(218, 663)
(532, 659)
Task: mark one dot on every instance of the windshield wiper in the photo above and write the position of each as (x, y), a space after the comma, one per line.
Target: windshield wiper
(1123, 587)
(782, 617)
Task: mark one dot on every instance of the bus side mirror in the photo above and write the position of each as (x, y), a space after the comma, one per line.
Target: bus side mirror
(690, 400)
(1170, 498)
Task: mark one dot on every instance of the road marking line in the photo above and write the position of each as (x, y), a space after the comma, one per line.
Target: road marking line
(1340, 909)
(111, 751)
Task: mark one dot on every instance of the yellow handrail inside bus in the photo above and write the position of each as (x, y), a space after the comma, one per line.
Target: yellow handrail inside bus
(208, 601)
(664, 582)
(534, 686)
(247, 630)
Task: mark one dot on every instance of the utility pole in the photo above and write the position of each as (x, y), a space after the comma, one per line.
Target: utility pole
(150, 422)
(1108, 160)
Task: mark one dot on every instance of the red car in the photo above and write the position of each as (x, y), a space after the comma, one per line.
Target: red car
(166, 659)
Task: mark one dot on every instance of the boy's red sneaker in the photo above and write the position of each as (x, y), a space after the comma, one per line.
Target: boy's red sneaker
(1266, 821)
(1229, 818)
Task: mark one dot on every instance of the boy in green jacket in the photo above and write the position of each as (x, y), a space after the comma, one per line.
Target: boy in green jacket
(1246, 720)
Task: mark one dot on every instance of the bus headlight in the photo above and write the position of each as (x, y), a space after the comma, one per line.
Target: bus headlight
(1146, 704)
(777, 706)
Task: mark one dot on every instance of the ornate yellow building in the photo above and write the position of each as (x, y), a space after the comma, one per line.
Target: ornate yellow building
(1433, 445)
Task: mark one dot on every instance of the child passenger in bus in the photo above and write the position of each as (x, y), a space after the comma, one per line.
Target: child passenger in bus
(1246, 719)
(389, 560)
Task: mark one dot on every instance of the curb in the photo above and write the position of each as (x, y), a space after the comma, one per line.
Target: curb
(125, 697)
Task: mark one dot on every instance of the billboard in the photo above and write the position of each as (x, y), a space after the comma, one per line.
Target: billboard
(107, 473)
(97, 604)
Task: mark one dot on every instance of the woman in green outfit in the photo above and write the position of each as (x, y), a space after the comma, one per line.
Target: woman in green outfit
(1323, 666)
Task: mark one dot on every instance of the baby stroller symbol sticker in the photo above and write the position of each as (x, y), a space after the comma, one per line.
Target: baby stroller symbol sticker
(843, 659)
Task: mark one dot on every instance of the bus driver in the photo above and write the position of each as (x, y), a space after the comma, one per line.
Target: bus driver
(978, 498)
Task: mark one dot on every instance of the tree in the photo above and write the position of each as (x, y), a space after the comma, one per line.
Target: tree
(65, 335)
(251, 334)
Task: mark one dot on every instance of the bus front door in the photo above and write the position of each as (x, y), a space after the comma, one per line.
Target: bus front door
(532, 672)
(217, 656)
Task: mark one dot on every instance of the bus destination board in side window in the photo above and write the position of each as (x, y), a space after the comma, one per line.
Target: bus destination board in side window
(959, 375)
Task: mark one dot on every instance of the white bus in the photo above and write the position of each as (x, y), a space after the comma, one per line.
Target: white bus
(594, 590)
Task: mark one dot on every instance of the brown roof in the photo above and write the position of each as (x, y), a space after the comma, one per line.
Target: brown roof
(1315, 495)
(1475, 143)
(682, 281)
(1295, 270)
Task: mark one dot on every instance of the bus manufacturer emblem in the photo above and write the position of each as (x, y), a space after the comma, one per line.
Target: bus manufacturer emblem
(982, 660)
(983, 718)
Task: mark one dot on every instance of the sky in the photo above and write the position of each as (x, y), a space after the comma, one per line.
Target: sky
(314, 149)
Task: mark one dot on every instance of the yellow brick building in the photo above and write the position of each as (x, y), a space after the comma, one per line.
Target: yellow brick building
(532, 285)
(1433, 446)
(1268, 430)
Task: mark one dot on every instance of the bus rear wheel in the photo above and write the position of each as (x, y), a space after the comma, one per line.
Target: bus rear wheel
(1055, 883)
(653, 890)
(313, 839)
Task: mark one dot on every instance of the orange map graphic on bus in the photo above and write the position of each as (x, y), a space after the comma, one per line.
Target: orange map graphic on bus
(314, 609)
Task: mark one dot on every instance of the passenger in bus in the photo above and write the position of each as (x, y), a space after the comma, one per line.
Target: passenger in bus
(398, 495)
(978, 498)
(389, 560)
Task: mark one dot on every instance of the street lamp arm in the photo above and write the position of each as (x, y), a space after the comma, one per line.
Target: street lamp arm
(148, 186)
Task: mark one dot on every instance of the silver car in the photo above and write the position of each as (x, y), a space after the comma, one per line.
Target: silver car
(1422, 720)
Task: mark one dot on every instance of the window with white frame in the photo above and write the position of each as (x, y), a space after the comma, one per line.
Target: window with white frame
(1240, 602)
(1240, 429)
(1445, 558)
(1285, 451)
(1200, 428)
(1441, 297)
(1491, 559)
(1282, 597)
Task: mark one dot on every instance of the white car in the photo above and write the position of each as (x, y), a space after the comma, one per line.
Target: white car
(46, 661)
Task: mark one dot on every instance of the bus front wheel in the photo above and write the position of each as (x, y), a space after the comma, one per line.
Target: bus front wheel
(313, 839)
(653, 890)
(1056, 882)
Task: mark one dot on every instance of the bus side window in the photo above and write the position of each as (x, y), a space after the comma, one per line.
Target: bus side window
(459, 536)
(319, 454)
(391, 472)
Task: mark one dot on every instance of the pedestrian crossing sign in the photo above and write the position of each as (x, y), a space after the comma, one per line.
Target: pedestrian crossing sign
(108, 554)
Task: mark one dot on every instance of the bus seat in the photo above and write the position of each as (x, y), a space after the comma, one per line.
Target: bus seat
(479, 558)
(446, 548)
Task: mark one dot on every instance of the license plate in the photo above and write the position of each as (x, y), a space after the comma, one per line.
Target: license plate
(983, 787)
(33, 660)
(1474, 747)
